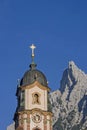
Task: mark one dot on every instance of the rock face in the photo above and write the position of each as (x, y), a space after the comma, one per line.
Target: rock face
(11, 127)
(69, 103)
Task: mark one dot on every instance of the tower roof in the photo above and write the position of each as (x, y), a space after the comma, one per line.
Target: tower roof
(33, 74)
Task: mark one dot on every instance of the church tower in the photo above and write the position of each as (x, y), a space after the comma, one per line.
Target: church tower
(33, 110)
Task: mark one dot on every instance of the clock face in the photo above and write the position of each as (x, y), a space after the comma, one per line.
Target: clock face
(36, 117)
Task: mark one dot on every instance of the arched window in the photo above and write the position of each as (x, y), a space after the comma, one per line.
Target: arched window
(22, 98)
(36, 98)
(36, 129)
(19, 128)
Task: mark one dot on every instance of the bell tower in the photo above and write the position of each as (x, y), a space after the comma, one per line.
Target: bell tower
(33, 110)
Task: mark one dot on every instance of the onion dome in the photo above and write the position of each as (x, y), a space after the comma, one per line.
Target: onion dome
(33, 75)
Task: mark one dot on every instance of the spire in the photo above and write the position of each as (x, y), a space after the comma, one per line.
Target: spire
(32, 65)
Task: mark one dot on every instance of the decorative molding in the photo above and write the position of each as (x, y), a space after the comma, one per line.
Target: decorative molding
(45, 122)
(36, 83)
(35, 109)
(28, 122)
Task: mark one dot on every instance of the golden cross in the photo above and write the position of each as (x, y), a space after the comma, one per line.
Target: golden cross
(33, 47)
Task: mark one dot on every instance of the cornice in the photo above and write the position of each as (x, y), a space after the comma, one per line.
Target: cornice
(34, 110)
(36, 83)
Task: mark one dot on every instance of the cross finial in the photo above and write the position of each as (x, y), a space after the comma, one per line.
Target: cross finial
(32, 55)
(32, 47)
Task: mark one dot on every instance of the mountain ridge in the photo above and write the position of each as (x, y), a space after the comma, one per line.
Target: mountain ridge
(69, 103)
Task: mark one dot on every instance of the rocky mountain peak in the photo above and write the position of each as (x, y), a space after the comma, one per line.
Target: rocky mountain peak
(75, 70)
(70, 101)
(71, 76)
(72, 65)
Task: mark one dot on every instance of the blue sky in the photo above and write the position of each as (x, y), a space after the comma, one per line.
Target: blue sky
(58, 28)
